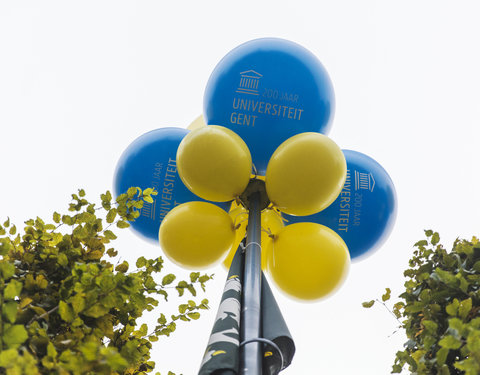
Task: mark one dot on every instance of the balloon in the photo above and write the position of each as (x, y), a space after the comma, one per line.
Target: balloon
(199, 122)
(214, 163)
(149, 162)
(305, 174)
(271, 223)
(364, 213)
(309, 261)
(196, 235)
(267, 90)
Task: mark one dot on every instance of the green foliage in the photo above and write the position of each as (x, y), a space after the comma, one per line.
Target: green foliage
(440, 309)
(65, 309)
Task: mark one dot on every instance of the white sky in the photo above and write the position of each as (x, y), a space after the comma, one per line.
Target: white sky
(79, 81)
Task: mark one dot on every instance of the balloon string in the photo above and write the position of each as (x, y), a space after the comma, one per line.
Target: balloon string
(268, 231)
(255, 172)
(237, 225)
(277, 212)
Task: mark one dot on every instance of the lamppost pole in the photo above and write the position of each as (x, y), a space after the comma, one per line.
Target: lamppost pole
(251, 351)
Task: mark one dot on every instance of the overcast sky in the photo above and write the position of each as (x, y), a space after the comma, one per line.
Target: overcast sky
(79, 81)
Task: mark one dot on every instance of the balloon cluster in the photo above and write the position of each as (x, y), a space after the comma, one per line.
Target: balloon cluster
(268, 106)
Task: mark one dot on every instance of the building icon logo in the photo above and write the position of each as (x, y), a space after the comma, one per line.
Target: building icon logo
(148, 210)
(249, 82)
(364, 181)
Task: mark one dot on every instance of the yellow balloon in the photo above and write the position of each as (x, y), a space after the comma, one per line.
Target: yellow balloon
(214, 163)
(199, 122)
(309, 261)
(305, 174)
(271, 223)
(196, 235)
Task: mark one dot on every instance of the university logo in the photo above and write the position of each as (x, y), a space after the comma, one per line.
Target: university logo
(364, 181)
(148, 210)
(249, 82)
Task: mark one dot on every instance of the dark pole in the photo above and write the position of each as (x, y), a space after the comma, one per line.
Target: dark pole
(251, 351)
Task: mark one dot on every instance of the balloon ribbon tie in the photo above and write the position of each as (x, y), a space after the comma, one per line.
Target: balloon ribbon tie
(253, 243)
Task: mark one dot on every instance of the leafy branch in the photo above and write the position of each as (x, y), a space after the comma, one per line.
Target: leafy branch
(65, 308)
(440, 307)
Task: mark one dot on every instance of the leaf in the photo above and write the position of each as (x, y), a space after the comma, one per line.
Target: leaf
(111, 215)
(148, 191)
(450, 342)
(122, 224)
(66, 312)
(109, 235)
(369, 304)
(25, 302)
(430, 326)
(78, 303)
(141, 262)
(446, 277)
(148, 199)
(192, 290)
(7, 270)
(56, 217)
(131, 192)
(9, 311)
(41, 282)
(122, 267)
(115, 360)
(435, 238)
(7, 357)
(386, 296)
(68, 220)
(81, 192)
(15, 335)
(12, 230)
(452, 308)
(194, 276)
(62, 259)
(442, 355)
(168, 279)
(473, 341)
(12, 289)
(464, 308)
(194, 315)
(96, 311)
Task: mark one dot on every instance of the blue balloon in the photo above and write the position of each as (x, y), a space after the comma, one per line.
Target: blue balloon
(267, 90)
(364, 213)
(150, 162)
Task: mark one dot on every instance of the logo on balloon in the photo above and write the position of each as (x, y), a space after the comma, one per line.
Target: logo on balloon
(249, 82)
(364, 181)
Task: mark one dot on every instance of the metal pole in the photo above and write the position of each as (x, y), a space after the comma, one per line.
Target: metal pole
(251, 352)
